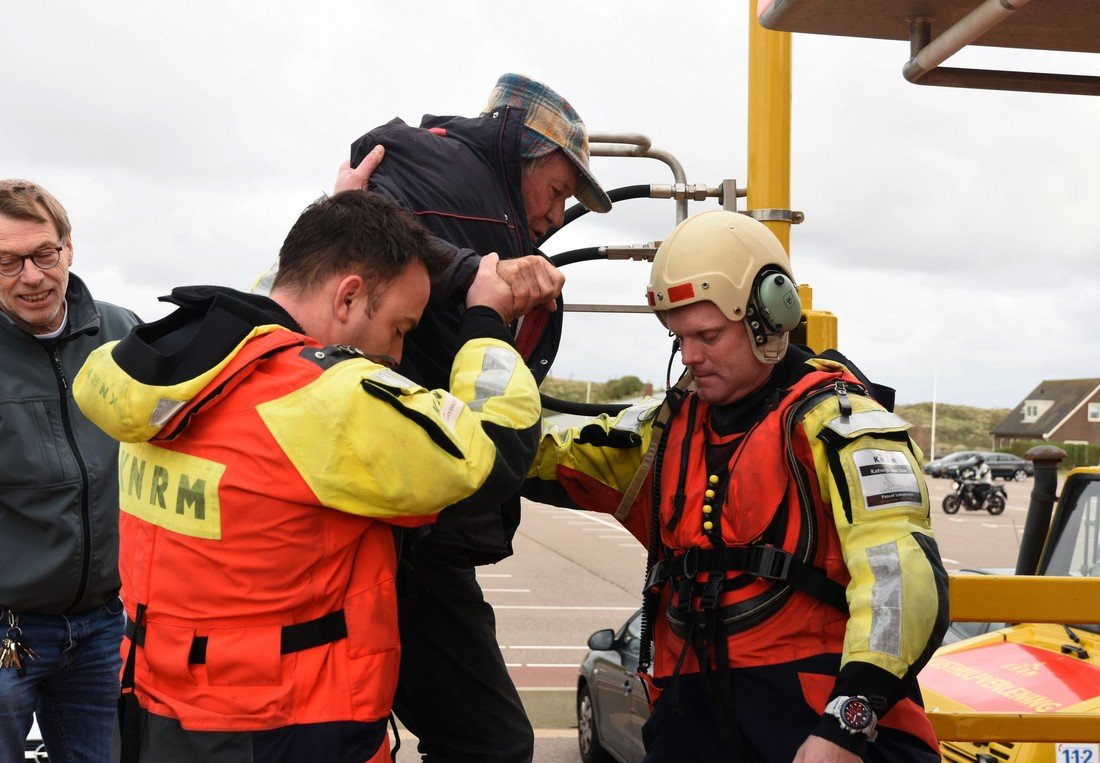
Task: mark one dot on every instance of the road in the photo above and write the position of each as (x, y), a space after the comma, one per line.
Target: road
(577, 572)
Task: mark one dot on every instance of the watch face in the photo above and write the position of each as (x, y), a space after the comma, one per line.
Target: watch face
(856, 714)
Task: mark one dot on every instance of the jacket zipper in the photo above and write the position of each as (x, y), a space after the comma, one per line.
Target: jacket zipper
(524, 246)
(840, 388)
(85, 518)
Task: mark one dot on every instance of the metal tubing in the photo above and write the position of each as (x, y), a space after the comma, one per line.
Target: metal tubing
(1026, 82)
(1043, 495)
(925, 55)
(629, 138)
(636, 144)
(967, 29)
(572, 307)
(769, 146)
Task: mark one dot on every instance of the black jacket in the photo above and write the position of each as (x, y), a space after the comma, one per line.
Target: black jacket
(59, 481)
(461, 178)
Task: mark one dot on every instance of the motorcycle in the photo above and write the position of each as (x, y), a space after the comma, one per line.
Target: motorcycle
(967, 497)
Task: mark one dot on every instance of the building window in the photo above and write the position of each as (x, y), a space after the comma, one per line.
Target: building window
(1094, 411)
(1033, 409)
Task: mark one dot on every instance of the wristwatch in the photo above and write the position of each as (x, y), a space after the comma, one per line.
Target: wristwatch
(854, 714)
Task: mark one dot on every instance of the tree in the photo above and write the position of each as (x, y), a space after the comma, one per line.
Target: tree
(626, 386)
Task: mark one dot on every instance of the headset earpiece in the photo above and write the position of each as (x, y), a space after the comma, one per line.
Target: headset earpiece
(774, 307)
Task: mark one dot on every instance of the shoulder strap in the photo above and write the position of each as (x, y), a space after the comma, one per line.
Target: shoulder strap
(673, 398)
(880, 392)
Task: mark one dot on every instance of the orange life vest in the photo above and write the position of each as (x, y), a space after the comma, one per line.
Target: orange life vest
(244, 631)
(767, 510)
(761, 500)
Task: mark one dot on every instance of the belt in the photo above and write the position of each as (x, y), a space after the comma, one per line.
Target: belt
(295, 638)
(765, 562)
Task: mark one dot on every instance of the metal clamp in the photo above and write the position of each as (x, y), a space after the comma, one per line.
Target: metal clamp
(776, 215)
(638, 252)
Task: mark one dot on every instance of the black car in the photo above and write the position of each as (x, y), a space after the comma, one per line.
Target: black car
(936, 467)
(1003, 466)
(612, 702)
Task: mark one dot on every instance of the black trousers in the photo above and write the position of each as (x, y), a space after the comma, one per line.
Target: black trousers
(454, 692)
(163, 740)
(771, 713)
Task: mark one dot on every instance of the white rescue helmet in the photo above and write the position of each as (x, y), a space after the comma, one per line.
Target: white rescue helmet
(738, 264)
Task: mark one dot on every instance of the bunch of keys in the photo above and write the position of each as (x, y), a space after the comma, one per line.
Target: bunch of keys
(12, 650)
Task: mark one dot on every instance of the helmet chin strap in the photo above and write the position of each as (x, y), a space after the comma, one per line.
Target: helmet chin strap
(772, 349)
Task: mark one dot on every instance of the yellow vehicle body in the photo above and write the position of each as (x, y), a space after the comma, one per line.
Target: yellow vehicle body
(1034, 676)
(1019, 669)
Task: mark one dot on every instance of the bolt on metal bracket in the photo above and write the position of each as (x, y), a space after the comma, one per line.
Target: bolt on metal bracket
(777, 215)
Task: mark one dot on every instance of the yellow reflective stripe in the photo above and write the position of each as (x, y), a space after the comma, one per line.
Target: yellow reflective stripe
(490, 376)
(886, 609)
(631, 419)
(176, 491)
(497, 366)
(868, 421)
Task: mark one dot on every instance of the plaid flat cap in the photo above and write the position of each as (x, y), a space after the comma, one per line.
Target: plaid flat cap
(551, 124)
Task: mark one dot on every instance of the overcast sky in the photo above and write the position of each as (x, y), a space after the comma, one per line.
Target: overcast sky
(954, 233)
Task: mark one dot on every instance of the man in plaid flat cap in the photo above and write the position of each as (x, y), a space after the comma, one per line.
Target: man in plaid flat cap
(494, 183)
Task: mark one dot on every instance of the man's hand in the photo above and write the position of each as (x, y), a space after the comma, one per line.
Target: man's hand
(348, 179)
(533, 280)
(818, 750)
(489, 290)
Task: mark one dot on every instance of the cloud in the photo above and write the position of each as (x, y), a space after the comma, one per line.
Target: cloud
(952, 232)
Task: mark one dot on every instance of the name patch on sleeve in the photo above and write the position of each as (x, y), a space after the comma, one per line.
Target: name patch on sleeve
(449, 406)
(886, 479)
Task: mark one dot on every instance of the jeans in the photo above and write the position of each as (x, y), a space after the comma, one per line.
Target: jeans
(72, 686)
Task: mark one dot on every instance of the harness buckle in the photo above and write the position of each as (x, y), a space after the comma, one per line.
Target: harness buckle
(657, 576)
(689, 562)
(709, 598)
(771, 563)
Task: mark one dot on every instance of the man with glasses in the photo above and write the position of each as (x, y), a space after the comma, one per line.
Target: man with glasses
(60, 616)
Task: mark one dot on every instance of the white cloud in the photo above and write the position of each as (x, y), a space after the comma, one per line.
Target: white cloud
(951, 231)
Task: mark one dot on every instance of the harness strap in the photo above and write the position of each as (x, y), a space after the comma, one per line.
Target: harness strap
(766, 562)
(716, 681)
(685, 456)
(295, 638)
(674, 397)
(129, 711)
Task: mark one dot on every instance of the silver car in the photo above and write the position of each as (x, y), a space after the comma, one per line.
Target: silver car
(612, 702)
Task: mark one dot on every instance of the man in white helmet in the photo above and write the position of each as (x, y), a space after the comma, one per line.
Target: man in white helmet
(794, 588)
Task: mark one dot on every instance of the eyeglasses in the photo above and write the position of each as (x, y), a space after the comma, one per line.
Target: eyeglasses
(44, 259)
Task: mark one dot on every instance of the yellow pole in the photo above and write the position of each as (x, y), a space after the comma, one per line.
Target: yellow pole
(769, 182)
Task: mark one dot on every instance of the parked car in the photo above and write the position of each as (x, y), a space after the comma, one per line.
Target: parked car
(1003, 466)
(935, 467)
(612, 704)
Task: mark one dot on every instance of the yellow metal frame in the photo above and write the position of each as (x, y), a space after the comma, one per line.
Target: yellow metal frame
(1030, 599)
(1015, 727)
(973, 598)
(769, 160)
(1024, 599)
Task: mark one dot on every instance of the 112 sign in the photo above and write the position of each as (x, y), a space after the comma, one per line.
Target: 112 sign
(1076, 753)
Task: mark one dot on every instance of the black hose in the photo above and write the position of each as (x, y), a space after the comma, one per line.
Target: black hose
(590, 410)
(577, 255)
(615, 194)
(584, 255)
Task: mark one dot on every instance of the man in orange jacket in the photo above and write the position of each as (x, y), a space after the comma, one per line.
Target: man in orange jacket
(268, 451)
